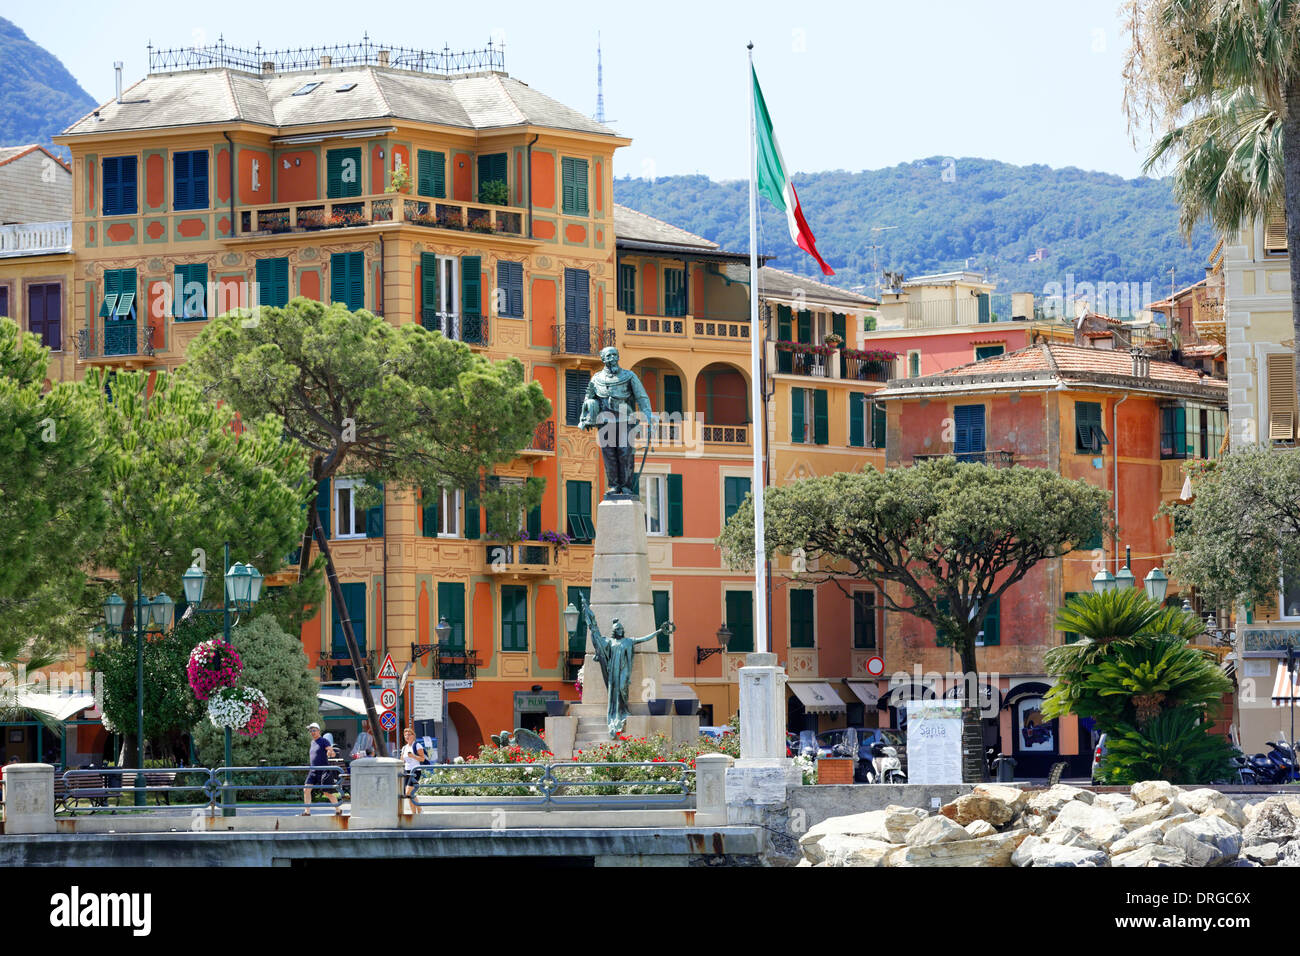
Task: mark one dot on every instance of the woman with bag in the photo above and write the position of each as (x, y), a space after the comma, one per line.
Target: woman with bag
(414, 756)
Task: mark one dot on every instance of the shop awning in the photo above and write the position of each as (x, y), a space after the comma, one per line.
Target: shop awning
(817, 697)
(353, 705)
(866, 692)
(1284, 687)
(912, 690)
(1018, 693)
(58, 706)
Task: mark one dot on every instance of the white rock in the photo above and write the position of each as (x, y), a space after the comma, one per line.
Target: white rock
(1035, 823)
(979, 828)
(1207, 841)
(1140, 816)
(1043, 853)
(1151, 855)
(889, 825)
(1083, 825)
(1152, 834)
(993, 850)
(1289, 855)
(1024, 855)
(935, 829)
(1053, 799)
(1265, 854)
(1204, 800)
(1272, 823)
(1115, 801)
(1149, 791)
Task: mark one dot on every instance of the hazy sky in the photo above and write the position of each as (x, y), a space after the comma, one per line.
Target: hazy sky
(849, 85)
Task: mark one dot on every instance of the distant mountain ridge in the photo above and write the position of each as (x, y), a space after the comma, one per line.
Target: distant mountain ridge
(947, 213)
(38, 96)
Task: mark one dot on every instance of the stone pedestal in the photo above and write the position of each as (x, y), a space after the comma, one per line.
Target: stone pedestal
(29, 798)
(620, 590)
(762, 709)
(376, 790)
(711, 789)
(561, 732)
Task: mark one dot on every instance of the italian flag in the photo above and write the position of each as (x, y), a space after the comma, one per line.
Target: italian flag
(774, 183)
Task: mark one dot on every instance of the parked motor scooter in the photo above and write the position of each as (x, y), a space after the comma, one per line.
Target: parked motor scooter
(885, 765)
(1277, 766)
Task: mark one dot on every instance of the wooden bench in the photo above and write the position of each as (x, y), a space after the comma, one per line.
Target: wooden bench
(70, 792)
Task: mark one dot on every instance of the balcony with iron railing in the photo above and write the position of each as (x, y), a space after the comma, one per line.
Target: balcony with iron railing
(116, 343)
(341, 669)
(999, 459)
(543, 441)
(579, 343)
(471, 329)
(793, 358)
(321, 214)
(35, 238)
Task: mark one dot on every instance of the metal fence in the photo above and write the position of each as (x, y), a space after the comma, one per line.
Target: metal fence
(221, 55)
(128, 790)
(555, 786)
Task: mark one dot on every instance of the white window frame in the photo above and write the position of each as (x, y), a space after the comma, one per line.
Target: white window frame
(349, 484)
(454, 498)
(449, 295)
(659, 482)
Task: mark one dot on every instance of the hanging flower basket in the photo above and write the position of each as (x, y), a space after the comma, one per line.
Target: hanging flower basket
(213, 664)
(242, 709)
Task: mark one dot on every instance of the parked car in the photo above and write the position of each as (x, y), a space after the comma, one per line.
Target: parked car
(717, 733)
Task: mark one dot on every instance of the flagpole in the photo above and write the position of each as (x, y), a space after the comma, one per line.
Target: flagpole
(759, 419)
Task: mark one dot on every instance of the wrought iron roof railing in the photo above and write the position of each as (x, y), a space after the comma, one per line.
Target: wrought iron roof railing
(220, 55)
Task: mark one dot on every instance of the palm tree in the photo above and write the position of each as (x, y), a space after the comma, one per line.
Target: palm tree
(1223, 78)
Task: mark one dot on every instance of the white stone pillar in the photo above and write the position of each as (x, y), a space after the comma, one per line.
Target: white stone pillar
(711, 789)
(29, 798)
(376, 790)
(762, 709)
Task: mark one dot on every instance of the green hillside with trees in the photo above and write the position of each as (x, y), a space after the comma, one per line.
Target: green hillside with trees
(950, 214)
(38, 96)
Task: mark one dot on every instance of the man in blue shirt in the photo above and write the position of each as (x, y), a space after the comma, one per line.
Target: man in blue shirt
(318, 755)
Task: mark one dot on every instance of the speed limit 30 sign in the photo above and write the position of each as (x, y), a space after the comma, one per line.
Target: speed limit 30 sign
(388, 699)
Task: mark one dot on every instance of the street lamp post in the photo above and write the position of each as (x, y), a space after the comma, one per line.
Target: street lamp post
(243, 588)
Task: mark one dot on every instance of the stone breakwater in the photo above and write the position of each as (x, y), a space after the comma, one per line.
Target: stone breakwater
(1155, 824)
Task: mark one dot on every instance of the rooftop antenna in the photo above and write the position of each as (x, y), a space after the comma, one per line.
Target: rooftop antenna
(875, 255)
(600, 85)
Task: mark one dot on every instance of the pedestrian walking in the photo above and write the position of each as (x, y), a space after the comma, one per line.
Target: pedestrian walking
(318, 755)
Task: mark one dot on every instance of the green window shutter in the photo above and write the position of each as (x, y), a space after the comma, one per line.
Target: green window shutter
(273, 282)
(533, 523)
(805, 328)
(375, 518)
(431, 502)
(1089, 435)
(664, 643)
(672, 395)
(783, 316)
(857, 419)
(573, 186)
(187, 300)
(471, 513)
(578, 639)
(877, 424)
(993, 624)
(984, 307)
(429, 290)
(838, 326)
(451, 605)
(431, 174)
(734, 491)
(578, 511)
(796, 415)
(348, 278)
(676, 509)
(1071, 636)
(740, 619)
(514, 618)
(821, 420)
(354, 597)
(627, 289)
(491, 168)
(471, 285)
(323, 504)
(801, 619)
(343, 173)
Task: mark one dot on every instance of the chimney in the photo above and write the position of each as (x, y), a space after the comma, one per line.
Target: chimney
(1141, 363)
(117, 68)
(325, 61)
(383, 58)
(268, 67)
